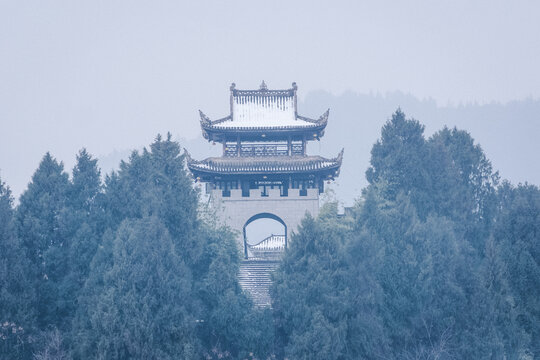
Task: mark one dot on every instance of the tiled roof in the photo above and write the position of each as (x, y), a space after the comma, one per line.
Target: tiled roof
(263, 109)
(257, 165)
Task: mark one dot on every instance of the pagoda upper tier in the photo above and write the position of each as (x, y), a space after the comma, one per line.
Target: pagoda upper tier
(263, 115)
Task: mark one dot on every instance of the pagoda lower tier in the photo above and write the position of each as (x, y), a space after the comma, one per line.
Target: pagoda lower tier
(283, 172)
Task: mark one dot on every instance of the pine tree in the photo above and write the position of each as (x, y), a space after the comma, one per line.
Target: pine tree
(17, 296)
(38, 228)
(318, 306)
(83, 330)
(462, 184)
(155, 184)
(517, 234)
(432, 228)
(144, 309)
(81, 227)
(398, 159)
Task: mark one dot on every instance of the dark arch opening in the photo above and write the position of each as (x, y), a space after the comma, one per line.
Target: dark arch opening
(262, 216)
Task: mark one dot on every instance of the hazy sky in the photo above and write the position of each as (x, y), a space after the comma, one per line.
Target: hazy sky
(111, 74)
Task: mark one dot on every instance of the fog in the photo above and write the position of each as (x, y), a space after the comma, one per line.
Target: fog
(109, 76)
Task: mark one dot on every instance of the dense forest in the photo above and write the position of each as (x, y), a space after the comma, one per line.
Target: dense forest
(438, 259)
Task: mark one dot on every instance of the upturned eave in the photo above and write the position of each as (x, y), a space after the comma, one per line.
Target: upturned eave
(307, 128)
(234, 166)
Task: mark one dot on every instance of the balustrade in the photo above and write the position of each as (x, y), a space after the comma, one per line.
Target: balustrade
(262, 149)
(271, 248)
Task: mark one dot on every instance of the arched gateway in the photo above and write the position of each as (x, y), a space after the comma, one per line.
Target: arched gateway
(268, 248)
(264, 172)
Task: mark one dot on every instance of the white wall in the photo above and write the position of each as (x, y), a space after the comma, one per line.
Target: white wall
(236, 210)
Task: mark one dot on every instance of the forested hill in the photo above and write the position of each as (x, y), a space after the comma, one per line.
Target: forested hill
(439, 259)
(507, 132)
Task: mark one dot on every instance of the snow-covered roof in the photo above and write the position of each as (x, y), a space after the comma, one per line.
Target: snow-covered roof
(263, 109)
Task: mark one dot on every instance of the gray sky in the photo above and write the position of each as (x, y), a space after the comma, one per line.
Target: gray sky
(111, 74)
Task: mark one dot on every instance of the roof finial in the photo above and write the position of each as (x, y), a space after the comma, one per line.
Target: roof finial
(233, 85)
(263, 86)
(294, 86)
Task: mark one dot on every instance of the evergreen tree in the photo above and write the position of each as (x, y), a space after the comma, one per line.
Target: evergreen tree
(398, 159)
(231, 326)
(38, 227)
(83, 329)
(417, 271)
(154, 183)
(86, 183)
(318, 314)
(433, 230)
(17, 297)
(364, 257)
(81, 227)
(500, 335)
(51, 347)
(462, 184)
(471, 166)
(145, 309)
(517, 234)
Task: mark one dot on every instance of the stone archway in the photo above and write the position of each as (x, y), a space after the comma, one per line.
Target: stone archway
(272, 242)
(236, 210)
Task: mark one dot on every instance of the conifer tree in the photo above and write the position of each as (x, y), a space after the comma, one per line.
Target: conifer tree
(398, 159)
(462, 184)
(17, 296)
(517, 234)
(432, 228)
(318, 314)
(82, 329)
(154, 184)
(145, 308)
(81, 227)
(38, 226)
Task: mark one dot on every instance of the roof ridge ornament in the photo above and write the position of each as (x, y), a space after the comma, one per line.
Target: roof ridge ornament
(324, 117)
(339, 158)
(263, 86)
(204, 119)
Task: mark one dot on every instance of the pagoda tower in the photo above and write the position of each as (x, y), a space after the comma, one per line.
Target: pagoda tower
(264, 172)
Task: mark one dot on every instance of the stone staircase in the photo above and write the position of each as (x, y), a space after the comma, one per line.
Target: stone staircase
(255, 279)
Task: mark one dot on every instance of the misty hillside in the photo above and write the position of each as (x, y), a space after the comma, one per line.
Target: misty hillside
(507, 132)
